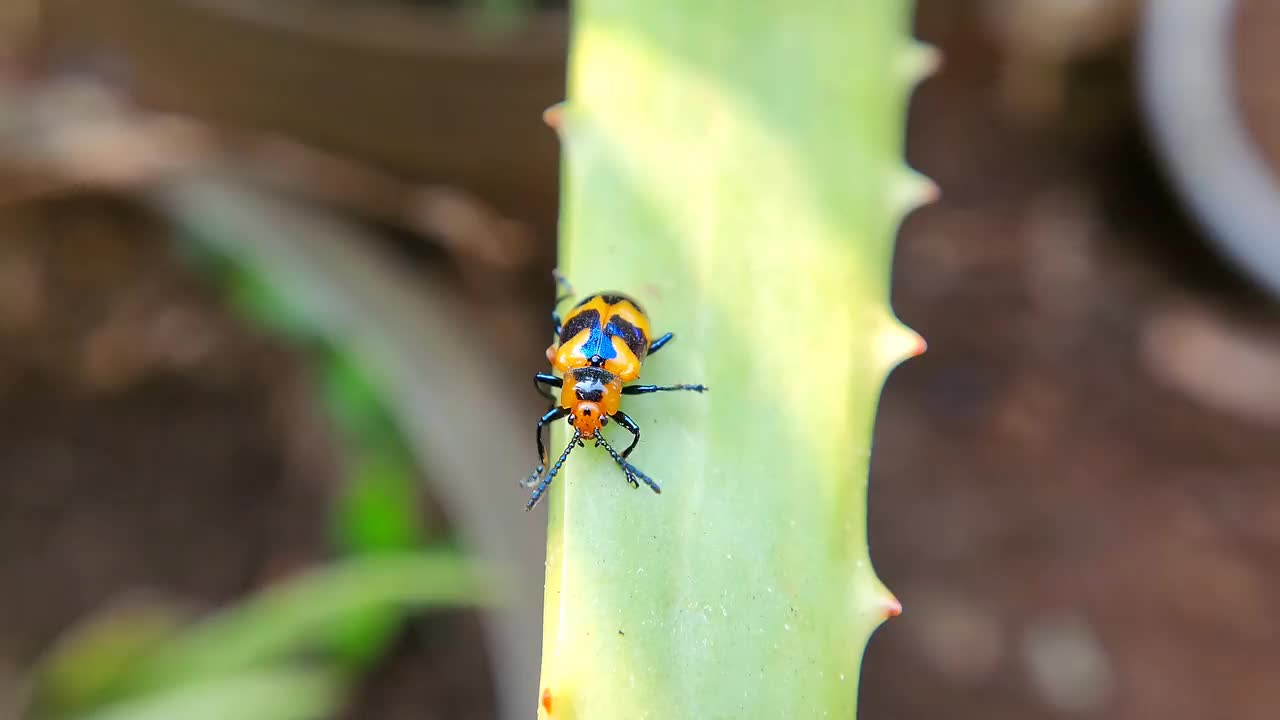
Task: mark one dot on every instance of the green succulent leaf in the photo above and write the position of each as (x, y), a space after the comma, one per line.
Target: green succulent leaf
(738, 168)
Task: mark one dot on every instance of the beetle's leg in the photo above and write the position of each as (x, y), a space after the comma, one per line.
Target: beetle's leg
(547, 379)
(551, 416)
(631, 471)
(542, 486)
(646, 389)
(625, 421)
(658, 344)
(563, 284)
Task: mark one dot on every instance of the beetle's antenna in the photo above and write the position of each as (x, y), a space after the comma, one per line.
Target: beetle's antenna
(631, 471)
(542, 486)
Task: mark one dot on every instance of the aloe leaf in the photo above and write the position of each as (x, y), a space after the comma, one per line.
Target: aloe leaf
(738, 168)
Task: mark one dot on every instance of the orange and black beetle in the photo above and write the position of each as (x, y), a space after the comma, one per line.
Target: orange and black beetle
(599, 346)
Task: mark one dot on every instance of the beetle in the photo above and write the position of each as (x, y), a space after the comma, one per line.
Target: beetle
(599, 346)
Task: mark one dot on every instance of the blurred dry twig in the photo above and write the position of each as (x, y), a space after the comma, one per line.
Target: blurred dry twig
(73, 133)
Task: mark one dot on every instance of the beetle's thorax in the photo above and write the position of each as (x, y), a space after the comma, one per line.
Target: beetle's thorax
(591, 395)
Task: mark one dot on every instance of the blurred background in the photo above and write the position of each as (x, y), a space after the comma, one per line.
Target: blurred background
(273, 277)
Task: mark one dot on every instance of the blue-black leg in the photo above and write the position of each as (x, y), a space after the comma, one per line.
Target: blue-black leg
(630, 471)
(546, 482)
(551, 416)
(625, 421)
(657, 345)
(564, 285)
(547, 379)
(646, 389)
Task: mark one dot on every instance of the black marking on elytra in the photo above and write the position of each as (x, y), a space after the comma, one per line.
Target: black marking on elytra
(578, 323)
(633, 336)
(609, 298)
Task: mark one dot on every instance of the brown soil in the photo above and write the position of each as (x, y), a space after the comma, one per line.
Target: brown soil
(1070, 534)
(152, 445)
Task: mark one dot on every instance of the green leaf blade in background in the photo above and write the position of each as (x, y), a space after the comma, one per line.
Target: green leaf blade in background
(286, 693)
(269, 656)
(736, 167)
(288, 619)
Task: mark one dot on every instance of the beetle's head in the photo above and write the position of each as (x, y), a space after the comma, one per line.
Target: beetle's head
(587, 418)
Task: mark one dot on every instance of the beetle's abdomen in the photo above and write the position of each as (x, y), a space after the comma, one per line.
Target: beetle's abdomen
(605, 330)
